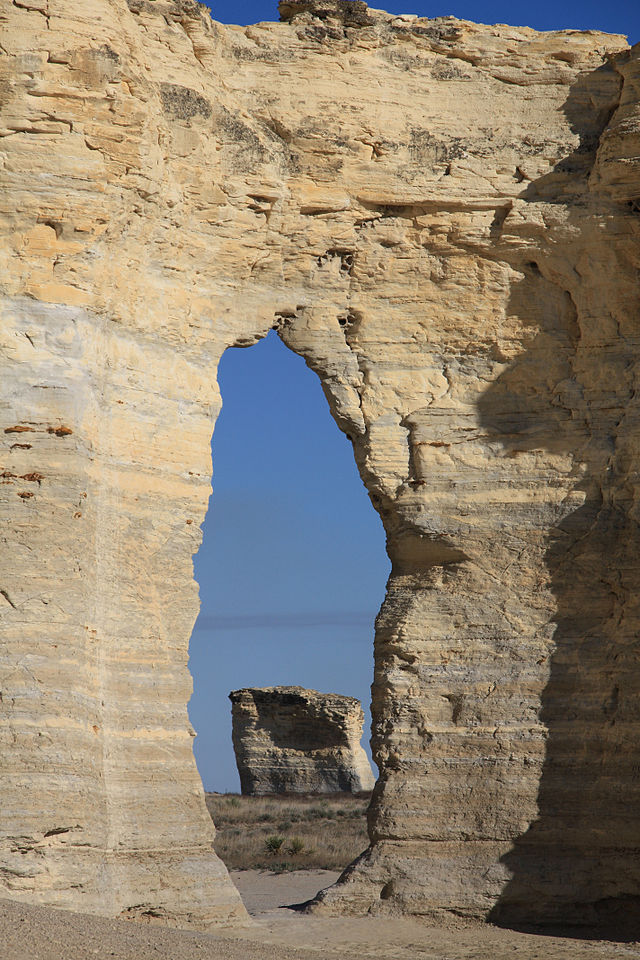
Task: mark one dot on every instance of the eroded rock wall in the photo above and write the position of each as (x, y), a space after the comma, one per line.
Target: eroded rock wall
(442, 219)
(292, 740)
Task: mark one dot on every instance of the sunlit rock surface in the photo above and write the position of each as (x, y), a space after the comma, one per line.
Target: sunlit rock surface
(443, 220)
(292, 740)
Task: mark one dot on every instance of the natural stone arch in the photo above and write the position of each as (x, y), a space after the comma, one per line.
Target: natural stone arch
(177, 187)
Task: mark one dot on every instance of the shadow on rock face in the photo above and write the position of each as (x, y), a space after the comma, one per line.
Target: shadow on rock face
(570, 400)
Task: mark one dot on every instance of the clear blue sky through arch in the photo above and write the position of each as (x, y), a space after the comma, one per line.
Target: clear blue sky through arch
(616, 16)
(292, 568)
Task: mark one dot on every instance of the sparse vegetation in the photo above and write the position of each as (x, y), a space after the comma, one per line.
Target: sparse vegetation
(313, 833)
(296, 846)
(273, 844)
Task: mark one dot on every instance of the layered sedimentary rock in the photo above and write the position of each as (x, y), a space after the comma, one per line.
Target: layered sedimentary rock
(443, 220)
(292, 740)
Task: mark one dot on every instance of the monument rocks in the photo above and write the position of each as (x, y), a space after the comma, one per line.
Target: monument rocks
(292, 740)
(442, 218)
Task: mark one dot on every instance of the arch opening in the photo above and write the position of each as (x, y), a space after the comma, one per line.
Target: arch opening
(292, 567)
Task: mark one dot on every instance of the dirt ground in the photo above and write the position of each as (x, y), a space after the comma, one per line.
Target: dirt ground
(39, 933)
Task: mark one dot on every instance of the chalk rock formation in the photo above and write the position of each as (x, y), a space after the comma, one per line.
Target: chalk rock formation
(292, 740)
(443, 220)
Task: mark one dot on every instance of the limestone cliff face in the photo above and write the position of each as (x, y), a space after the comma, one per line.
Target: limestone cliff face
(442, 219)
(292, 740)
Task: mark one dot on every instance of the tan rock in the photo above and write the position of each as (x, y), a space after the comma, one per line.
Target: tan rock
(292, 740)
(442, 219)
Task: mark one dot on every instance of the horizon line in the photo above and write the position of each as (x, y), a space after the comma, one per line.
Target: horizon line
(283, 620)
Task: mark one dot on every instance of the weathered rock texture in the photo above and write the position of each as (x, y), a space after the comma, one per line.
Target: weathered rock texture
(443, 220)
(292, 740)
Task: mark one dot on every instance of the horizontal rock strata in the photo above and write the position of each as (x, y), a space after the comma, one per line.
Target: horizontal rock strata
(442, 218)
(292, 740)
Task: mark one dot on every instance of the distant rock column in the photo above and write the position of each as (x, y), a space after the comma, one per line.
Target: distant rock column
(292, 740)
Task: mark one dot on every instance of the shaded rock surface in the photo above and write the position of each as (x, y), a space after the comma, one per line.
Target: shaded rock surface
(442, 218)
(292, 740)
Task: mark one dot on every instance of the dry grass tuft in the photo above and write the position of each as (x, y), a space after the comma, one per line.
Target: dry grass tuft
(289, 831)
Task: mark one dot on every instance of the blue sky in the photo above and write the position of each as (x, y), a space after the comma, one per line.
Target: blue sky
(616, 16)
(292, 569)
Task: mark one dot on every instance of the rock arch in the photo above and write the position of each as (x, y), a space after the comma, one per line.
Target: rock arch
(442, 219)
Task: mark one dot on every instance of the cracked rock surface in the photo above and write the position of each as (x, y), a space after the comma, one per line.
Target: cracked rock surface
(442, 218)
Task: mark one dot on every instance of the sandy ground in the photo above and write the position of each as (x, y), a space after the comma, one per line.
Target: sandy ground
(38, 933)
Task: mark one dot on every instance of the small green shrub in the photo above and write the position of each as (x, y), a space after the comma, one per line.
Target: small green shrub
(273, 844)
(296, 846)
